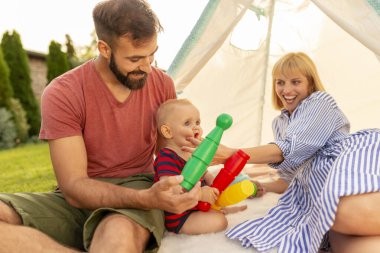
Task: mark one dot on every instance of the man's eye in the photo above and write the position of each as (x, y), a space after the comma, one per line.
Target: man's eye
(134, 60)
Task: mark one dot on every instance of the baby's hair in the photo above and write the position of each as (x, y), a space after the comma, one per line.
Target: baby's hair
(166, 109)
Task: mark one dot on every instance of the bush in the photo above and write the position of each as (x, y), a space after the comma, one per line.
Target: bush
(8, 132)
(20, 120)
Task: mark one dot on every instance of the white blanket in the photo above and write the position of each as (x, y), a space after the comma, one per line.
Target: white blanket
(218, 242)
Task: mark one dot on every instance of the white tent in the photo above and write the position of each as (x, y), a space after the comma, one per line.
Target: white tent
(224, 66)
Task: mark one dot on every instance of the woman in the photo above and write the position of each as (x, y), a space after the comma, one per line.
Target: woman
(333, 176)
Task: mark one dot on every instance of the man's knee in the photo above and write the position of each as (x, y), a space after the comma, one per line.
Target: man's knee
(124, 225)
(9, 215)
(129, 233)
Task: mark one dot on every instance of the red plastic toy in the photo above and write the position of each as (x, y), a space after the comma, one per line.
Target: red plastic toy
(232, 168)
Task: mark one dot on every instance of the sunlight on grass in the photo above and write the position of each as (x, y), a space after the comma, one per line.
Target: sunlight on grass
(26, 169)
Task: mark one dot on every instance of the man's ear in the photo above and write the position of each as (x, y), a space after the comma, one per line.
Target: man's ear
(166, 132)
(104, 49)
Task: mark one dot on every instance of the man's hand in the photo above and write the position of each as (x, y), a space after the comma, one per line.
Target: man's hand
(209, 194)
(221, 155)
(164, 195)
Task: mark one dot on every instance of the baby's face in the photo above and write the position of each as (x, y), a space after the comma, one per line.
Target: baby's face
(185, 122)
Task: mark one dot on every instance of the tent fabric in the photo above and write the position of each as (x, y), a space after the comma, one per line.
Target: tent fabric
(356, 18)
(219, 76)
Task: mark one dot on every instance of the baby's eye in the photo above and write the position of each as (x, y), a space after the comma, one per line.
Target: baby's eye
(187, 123)
(198, 122)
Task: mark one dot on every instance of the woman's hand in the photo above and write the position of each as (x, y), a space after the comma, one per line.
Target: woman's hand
(222, 153)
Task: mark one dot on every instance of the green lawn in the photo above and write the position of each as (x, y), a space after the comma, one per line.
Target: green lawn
(26, 169)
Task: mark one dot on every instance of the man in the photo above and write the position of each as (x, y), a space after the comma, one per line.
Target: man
(99, 120)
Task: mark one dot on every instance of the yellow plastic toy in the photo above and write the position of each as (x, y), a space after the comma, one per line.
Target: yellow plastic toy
(235, 194)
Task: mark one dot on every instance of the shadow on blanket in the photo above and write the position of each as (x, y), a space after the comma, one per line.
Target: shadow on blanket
(218, 242)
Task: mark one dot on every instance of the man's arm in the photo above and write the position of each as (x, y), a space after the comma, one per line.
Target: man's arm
(69, 161)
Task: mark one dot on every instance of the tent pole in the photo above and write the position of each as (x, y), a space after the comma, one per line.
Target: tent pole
(267, 54)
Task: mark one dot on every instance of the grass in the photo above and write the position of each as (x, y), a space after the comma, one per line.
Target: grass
(26, 169)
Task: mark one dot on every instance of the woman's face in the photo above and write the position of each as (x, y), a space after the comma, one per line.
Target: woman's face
(291, 89)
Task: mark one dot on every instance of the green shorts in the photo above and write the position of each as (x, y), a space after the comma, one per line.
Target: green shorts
(51, 214)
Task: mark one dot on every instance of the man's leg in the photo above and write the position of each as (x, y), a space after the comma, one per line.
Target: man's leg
(16, 238)
(118, 233)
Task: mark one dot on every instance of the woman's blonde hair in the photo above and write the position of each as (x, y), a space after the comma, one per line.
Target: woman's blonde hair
(295, 63)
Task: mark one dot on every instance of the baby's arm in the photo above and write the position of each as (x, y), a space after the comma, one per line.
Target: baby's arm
(208, 177)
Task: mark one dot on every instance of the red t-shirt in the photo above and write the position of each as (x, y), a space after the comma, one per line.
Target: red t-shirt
(120, 137)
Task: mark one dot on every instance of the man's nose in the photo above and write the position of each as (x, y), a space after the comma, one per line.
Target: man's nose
(146, 65)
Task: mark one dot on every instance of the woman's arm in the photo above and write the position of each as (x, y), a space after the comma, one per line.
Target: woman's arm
(269, 153)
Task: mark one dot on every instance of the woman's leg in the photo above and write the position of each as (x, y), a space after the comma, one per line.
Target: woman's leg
(341, 243)
(358, 215)
(357, 224)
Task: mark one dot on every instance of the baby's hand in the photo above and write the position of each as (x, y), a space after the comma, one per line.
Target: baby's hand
(209, 194)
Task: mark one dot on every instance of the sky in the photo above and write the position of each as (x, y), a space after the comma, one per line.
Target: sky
(40, 21)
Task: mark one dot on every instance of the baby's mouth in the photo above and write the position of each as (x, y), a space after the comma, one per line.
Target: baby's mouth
(196, 135)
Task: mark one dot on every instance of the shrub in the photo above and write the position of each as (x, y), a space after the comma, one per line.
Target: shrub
(8, 132)
(20, 120)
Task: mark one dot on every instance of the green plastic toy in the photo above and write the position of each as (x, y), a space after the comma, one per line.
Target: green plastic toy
(204, 153)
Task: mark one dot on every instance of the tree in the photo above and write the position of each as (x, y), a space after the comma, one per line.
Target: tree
(57, 62)
(70, 51)
(20, 79)
(90, 51)
(6, 91)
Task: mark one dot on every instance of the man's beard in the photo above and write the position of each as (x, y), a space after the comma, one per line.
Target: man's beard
(124, 79)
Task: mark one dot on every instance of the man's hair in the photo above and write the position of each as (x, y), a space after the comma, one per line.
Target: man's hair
(292, 63)
(132, 18)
